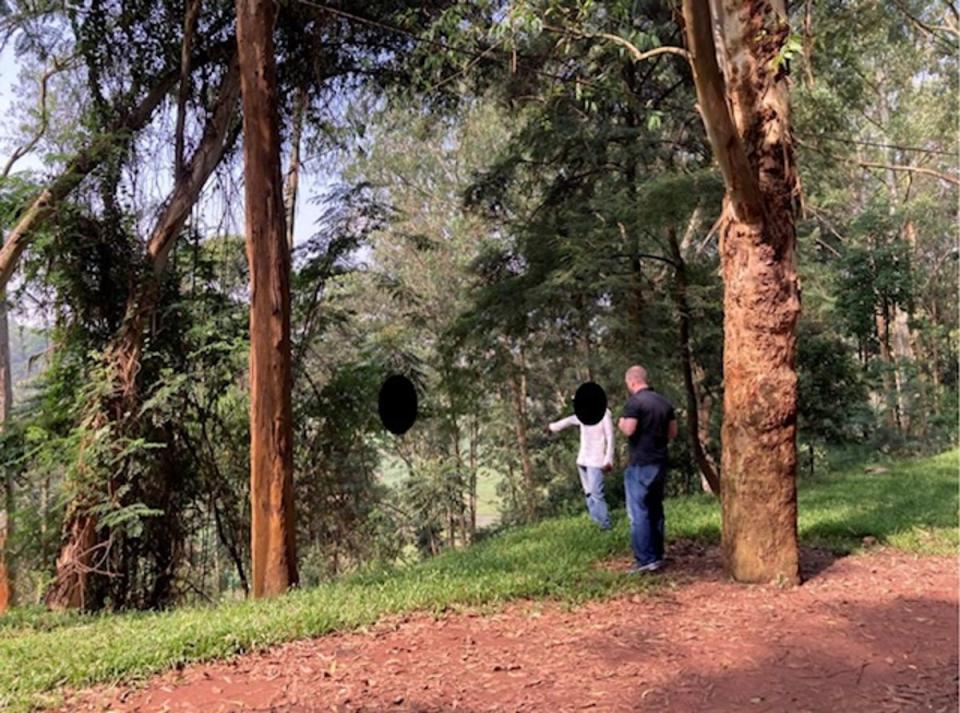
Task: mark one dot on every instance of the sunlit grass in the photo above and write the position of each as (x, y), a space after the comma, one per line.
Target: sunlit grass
(912, 506)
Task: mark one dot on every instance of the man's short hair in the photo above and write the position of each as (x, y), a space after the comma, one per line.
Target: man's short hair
(636, 374)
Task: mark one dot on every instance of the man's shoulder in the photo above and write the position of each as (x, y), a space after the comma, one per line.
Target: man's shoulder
(655, 399)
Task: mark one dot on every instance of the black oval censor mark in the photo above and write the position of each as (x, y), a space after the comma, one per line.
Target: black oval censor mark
(397, 404)
(590, 403)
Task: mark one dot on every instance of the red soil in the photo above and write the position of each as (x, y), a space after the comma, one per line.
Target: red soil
(877, 632)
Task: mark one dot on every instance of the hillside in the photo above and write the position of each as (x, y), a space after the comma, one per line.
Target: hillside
(911, 507)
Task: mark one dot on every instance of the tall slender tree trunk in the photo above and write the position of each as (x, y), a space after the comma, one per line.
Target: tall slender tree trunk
(746, 114)
(808, 43)
(272, 545)
(891, 383)
(896, 320)
(518, 384)
(474, 443)
(292, 181)
(7, 578)
(705, 466)
(191, 14)
(706, 403)
(44, 517)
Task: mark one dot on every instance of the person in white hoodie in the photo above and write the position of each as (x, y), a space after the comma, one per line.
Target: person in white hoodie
(594, 459)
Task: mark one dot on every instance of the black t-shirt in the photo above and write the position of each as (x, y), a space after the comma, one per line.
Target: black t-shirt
(648, 444)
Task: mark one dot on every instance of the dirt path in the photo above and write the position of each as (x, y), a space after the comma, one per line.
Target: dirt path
(872, 633)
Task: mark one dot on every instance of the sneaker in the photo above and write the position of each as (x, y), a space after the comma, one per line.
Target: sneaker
(652, 567)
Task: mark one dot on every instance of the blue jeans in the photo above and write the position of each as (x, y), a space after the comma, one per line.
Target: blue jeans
(643, 485)
(592, 481)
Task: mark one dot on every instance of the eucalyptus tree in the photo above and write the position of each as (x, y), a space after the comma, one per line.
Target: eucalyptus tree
(604, 110)
(875, 126)
(321, 51)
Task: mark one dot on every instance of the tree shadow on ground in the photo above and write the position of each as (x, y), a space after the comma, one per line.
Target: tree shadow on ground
(692, 560)
(892, 657)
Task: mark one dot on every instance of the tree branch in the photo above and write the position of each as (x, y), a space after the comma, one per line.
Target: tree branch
(183, 91)
(638, 56)
(886, 167)
(21, 151)
(741, 184)
(931, 30)
(911, 169)
(86, 160)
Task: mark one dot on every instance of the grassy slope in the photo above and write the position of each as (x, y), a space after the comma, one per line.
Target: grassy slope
(913, 506)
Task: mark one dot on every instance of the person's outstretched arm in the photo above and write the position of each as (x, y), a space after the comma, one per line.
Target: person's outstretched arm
(563, 423)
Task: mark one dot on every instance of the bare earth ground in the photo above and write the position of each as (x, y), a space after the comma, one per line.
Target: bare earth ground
(877, 632)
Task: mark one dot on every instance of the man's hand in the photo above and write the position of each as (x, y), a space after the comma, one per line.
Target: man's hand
(608, 467)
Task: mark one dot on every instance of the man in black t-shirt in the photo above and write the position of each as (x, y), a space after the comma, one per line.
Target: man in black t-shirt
(649, 424)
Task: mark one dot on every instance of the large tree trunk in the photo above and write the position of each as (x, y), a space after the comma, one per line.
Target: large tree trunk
(6, 513)
(747, 120)
(122, 356)
(272, 545)
(706, 467)
(75, 562)
(518, 385)
(126, 349)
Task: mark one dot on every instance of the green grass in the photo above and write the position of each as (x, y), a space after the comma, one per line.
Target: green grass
(913, 506)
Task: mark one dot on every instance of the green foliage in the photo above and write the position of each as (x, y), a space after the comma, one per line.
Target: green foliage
(495, 227)
(873, 279)
(832, 392)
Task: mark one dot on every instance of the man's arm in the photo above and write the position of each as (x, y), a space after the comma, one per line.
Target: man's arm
(627, 426)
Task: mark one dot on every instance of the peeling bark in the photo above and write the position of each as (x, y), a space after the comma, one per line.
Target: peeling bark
(747, 121)
(70, 588)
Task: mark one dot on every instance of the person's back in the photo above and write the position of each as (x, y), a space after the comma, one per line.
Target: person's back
(648, 443)
(649, 424)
